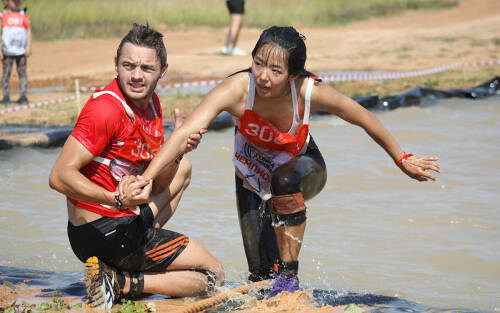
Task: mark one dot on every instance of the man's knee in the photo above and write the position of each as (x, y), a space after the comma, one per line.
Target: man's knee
(215, 275)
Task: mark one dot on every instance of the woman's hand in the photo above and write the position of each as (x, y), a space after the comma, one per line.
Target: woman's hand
(417, 167)
(134, 190)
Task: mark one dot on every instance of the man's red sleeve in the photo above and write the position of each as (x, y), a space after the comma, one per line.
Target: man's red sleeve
(97, 125)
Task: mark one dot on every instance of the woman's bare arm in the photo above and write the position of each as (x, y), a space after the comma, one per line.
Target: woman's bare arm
(326, 98)
(225, 97)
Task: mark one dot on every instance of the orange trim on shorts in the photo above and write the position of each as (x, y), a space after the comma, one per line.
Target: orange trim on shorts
(173, 247)
(167, 251)
(177, 245)
(166, 244)
(166, 254)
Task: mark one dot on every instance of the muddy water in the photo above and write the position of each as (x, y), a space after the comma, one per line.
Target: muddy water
(371, 229)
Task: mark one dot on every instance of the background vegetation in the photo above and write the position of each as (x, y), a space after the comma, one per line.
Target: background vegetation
(65, 19)
(66, 113)
(62, 19)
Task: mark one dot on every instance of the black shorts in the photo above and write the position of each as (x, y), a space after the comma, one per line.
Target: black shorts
(236, 6)
(128, 243)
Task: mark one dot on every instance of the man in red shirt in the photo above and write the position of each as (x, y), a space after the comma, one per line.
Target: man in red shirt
(121, 241)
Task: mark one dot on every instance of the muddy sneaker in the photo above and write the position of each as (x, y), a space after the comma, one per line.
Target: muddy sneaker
(102, 286)
(284, 282)
(6, 100)
(23, 100)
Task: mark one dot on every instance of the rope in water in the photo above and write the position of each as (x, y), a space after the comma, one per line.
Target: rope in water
(204, 304)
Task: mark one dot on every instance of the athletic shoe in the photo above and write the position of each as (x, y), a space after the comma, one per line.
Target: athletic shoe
(284, 282)
(102, 286)
(6, 100)
(23, 100)
(226, 50)
(238, 52)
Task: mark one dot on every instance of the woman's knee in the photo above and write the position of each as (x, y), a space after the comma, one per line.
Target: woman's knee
(303, 174)
(287, 178)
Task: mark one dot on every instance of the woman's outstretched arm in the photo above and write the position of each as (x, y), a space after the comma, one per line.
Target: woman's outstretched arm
(326, 98)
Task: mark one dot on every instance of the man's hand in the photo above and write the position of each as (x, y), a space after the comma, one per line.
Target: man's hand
(193, 139)
(134, 190)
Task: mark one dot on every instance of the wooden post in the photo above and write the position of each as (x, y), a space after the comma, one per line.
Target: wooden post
(77, 95)
(464, 65)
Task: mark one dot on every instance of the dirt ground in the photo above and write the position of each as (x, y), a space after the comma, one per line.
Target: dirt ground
(22, 298)
(415, 40)
(412, 40)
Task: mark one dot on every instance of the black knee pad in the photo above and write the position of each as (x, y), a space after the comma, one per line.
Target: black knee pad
(211, 278)
(136, 285)
(293, 219)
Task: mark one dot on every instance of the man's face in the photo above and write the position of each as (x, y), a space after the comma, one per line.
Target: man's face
(139, 70)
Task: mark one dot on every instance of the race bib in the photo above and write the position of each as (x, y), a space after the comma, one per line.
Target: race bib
(257, 164)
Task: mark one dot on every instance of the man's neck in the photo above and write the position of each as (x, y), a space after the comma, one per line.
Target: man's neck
(141, 104)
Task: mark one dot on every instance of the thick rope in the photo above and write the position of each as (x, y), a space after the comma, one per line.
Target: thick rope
(201, 305)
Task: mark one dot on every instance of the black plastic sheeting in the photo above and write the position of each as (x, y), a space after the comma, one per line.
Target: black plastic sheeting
(56, 135)
(418, 95)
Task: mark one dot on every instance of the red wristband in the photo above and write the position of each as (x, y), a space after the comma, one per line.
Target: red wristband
(403, 158)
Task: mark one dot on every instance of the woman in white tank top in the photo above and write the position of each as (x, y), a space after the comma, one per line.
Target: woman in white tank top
(273, 223)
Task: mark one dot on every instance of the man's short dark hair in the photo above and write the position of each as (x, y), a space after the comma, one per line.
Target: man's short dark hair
(145, 36)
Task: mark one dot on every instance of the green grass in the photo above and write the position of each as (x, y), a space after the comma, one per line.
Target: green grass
(442, 39)
(62, 19)
(135, 307)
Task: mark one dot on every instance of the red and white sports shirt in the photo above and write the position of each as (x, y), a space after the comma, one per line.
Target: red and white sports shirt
(15, 27)
(122, 137)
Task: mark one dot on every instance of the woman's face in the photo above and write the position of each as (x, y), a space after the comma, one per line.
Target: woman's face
(270, 71)
(11, 5)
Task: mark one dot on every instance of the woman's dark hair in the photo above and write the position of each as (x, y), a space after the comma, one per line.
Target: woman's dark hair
(290, 41)
(144, 36)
